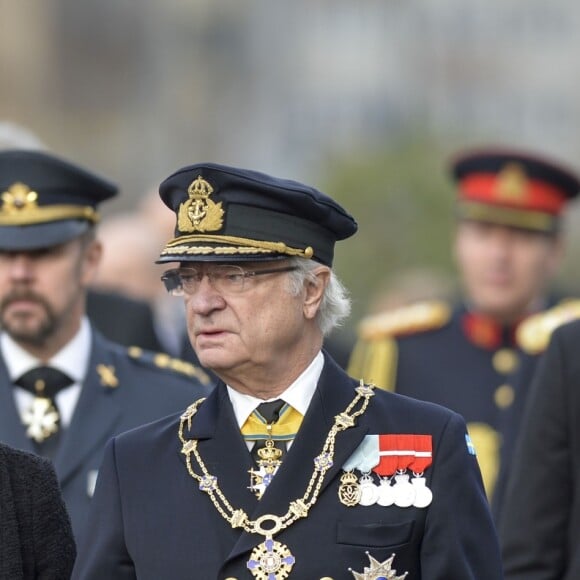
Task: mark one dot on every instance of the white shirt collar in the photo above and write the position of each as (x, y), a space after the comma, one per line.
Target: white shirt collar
(298, 394)
(73, 359)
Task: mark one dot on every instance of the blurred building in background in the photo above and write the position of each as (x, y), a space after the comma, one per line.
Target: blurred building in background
(299, 89)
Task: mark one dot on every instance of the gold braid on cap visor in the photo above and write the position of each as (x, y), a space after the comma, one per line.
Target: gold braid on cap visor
(44, 214)
(179, 246)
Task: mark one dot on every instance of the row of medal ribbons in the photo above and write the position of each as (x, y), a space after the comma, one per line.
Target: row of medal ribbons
(393, 458)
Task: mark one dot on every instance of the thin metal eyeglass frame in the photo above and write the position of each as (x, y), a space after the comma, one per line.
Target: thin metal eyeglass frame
(179, 290)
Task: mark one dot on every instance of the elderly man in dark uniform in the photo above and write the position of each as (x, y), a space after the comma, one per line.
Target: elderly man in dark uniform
(290, 468)
(471, 356)
(65, 389)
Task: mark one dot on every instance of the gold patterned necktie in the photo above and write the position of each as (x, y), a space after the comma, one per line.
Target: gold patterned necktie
(42, 418)
(270, 412)
(271, 426)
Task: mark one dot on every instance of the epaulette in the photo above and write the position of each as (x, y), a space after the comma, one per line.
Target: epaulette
(164, 361)
(533, 334)
(412, 319)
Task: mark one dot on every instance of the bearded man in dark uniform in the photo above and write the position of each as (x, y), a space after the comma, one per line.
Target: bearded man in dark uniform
(64, 388)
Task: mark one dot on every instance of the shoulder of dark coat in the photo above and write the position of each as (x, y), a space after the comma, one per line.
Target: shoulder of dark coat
(162, 362)
(407, 320)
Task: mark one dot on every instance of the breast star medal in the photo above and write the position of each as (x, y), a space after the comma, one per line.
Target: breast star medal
(378, 570)
(41, 419)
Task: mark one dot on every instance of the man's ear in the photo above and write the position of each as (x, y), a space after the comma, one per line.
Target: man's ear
(314, 291)
(93, 253)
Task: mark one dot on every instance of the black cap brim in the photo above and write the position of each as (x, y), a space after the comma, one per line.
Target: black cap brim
(34, 237)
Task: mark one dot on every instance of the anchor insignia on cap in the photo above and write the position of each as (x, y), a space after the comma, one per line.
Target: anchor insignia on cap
(199, 213)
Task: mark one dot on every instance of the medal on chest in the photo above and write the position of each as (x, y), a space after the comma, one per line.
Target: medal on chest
(391, 469)
(41, 419)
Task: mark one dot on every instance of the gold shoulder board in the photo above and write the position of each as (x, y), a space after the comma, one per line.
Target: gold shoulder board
(418, 317)
(164, 361)
(533, 335)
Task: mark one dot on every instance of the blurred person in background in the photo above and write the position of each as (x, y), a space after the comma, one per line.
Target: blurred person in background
(469, 356)
(64, 388)
(128, 276)
(540, 530)
(36, 540)
(124, 319)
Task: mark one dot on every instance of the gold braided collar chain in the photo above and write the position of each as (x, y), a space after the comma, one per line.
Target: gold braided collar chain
(272, 560)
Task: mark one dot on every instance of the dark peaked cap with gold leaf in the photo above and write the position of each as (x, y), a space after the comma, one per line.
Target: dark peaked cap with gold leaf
(46, 201)
(228, 215)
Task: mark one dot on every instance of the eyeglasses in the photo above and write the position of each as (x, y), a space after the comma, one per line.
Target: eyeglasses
(226, 279)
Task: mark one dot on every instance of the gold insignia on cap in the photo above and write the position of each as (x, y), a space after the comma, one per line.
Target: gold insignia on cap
(20, 207)
(199, 213)
(512, 183)
(19, 197)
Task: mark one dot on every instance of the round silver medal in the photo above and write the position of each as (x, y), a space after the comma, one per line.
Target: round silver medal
(404, 491)
(386, 493)
(423, 495)
(369, 491)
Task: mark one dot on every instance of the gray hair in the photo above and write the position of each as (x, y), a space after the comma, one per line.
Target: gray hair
(335, 305)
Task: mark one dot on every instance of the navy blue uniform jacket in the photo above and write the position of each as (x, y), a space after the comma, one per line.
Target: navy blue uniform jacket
(540, 530)
(150, 521)
(144, 392)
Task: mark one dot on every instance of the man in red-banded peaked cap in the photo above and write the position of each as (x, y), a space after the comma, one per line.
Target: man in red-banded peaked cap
(513, 188)
(477, 355)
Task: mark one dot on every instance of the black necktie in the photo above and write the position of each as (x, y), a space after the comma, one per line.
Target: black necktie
(43, 419)
(271, 412)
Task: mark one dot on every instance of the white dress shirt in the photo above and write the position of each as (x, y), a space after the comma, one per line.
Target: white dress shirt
(72, 360)
(298, 395)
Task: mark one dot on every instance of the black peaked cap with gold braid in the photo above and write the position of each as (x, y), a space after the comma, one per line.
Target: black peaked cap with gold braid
(45, 200)
(225, 214)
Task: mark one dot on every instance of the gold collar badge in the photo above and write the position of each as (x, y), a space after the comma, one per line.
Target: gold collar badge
(512, 183)
(18, 198)
(199, 213)
(107, 375)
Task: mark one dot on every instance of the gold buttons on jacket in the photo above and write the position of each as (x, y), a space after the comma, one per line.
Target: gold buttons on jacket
(505, 361)
(504, 396)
